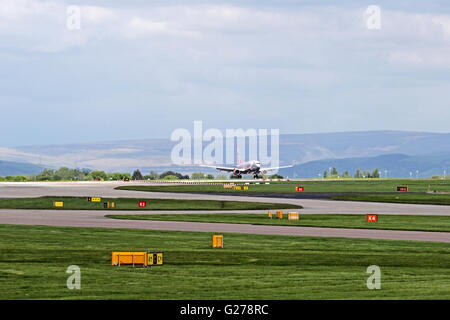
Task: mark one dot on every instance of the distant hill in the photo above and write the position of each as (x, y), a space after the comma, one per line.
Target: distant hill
(397, 166)
(9, 168)
(148, 154)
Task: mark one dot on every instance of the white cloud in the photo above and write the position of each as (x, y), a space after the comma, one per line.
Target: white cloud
(188, 59)
(94, 14)
(422, 58)
(139, 27)
(444, 22)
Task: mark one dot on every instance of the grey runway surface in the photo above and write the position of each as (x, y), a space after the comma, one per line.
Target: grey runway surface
(96, 218)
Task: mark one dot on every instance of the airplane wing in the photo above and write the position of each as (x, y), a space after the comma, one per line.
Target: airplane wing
(274, 168)
(228, 169)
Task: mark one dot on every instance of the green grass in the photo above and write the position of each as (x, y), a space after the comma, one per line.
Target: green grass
(388, 222)
(343, 185)
(34, 260)
(426, 198)
(81, 203)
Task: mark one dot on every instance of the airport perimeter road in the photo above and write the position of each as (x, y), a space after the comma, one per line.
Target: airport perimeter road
(310, 206)
(95, 218)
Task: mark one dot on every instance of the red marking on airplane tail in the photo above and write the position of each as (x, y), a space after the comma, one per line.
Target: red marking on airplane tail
(238, 155)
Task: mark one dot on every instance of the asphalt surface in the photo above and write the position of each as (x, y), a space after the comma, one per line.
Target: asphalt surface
(96, 218)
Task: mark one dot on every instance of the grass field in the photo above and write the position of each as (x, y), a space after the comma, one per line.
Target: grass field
(81, 203)
(388, 222)
(34, 260)
(343, 185)
(426, 198)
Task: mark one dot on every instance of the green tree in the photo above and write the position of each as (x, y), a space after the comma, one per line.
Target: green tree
(80, 175)
(375, 173)
(137, 175)
(325, 174)
(98, 175)
(209, 176)
(346, 175)
(154, 175)
(358, 174)
(171, 173)
(46, 174)
(118, 176)
(170, 177)
(197, 175)
(64, 173)
(334, 172)
(276, 176)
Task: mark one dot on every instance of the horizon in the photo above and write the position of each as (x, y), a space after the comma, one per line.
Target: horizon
(168, 138)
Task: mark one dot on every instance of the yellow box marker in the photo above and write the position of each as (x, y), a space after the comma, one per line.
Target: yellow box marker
(217, 241)
(58, 203)
(113, 205)
(129, 258)
(270, 215)
(237, 187)
(245, 188)
(228, 186)
(292, 215)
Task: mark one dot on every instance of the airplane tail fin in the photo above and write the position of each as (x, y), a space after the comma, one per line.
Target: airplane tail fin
(238, 155)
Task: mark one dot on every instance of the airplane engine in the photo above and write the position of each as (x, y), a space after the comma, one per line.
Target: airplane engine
(263, 171)
(236, 172)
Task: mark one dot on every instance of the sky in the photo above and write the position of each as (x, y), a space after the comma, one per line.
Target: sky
(143, 69)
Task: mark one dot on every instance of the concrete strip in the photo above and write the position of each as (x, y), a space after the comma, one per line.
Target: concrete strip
(95, 218)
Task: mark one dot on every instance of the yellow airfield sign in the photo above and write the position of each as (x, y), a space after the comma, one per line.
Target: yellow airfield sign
(154, 259)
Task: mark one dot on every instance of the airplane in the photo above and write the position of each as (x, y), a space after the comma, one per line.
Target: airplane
(250, 167)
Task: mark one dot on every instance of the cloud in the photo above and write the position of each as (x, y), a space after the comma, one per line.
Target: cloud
(138, 62)
(139, 27)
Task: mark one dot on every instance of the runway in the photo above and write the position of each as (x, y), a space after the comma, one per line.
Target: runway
(96, 218)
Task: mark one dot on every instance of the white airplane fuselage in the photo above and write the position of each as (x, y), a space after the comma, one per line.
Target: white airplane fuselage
(250, 167)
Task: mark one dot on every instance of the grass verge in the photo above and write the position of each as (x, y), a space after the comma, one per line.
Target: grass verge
(388, 222)
(34, 260)
(426, 198)
(81, 203)
(344, 185)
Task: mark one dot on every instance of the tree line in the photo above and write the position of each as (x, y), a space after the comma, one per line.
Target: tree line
(67, 174)
(334, 174)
